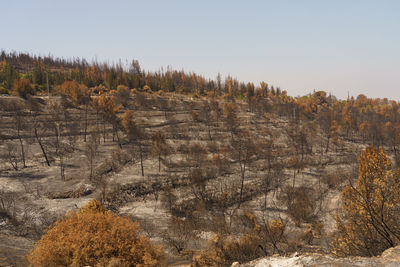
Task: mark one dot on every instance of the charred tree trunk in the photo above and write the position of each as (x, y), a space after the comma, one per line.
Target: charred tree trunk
(327, 144)
(159, 162)
(22, 149)
(86, 123)
(141, 158)
(62, 168)
(242, 170)
(41, 147)
(116, 134)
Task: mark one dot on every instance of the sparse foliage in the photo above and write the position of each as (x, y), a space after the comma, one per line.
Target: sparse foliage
(369, 219)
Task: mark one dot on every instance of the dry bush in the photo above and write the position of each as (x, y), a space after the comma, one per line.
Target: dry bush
(332, 180)
(114, 164)
(183, 148)
(222, 251)
(140, 100)
(23, 88)
(222, 163)
(8, 208)
(22, 218)
(122, 95)
(307, 236)
(160, 148)
(213, 147)
(11, 154)
(194, 114)
(300, 206)
(257, 240)
(180, 234)
(197, 154)
(169, 198)
(77, 93)
(95, 237)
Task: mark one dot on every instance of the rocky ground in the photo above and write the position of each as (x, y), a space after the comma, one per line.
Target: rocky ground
(389, 258)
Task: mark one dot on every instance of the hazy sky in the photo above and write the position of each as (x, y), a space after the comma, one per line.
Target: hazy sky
(300, 45)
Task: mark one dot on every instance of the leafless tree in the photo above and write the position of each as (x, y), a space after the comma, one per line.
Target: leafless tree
(159, 147)
(244, 151)
(19, 122)
(135, 135)
(64, 134)
(39, 129)
(10, 154)
(91, 151)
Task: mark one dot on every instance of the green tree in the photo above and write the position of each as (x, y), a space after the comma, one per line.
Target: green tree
(7, 74)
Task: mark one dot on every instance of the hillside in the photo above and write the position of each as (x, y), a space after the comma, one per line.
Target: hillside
(37, 192)
(195, 167)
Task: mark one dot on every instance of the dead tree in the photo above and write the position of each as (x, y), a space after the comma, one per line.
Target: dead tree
(39, 131)
(159, 147)
(10, 154)
(244, 151)
(19, 123)
(91, 152)
(134, 134)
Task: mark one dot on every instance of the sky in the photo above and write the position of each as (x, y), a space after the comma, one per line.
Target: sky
(340, 46)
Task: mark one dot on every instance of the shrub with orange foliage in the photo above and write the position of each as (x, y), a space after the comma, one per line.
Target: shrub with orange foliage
(95, 237)
(369, 220)
(23, 88)
(261, 240)
(76, 92)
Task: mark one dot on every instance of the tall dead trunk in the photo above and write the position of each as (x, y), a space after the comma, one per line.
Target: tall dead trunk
(86, 123)
(41, 147)
(241, 190)
(327, 144)
(116, 134)
(294, 178)
(62, 167)
(104, 131)
(22, 148)
(242, 171)
(141, 159)
(91, 169)
(159, 162)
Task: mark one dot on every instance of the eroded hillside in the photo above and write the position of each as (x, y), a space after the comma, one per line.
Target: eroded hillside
(188, 168)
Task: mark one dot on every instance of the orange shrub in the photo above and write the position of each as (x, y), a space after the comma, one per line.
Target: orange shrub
(95, 237)
(23, 88)
(77, 93)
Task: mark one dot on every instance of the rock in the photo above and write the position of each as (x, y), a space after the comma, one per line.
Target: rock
(81, 191)
(86, 189)
(389, 258)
